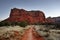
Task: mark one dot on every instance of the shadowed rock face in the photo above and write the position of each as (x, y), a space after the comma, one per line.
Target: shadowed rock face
(53, 20)
(18, 15)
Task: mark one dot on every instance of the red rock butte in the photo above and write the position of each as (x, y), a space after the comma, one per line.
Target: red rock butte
(18, 15)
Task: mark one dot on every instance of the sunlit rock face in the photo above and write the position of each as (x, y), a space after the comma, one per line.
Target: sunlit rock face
(18, 15)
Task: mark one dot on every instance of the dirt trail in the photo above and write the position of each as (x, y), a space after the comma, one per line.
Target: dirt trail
(31, 34)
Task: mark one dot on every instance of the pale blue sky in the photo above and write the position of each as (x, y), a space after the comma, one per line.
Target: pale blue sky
(49, 7)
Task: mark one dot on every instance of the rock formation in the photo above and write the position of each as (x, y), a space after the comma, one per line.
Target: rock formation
(18, 15)
(53, 20)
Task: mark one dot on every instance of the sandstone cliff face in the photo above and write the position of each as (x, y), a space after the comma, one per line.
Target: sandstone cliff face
(18, 15)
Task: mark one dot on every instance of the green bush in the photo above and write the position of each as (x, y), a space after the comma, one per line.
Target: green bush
(23, 24)
(1, 24)
(4, 24)
(14, 23)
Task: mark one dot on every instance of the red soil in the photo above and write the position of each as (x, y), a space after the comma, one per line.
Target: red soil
(31, 34)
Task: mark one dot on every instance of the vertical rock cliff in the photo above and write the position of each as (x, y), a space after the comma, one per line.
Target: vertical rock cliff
(18, 15)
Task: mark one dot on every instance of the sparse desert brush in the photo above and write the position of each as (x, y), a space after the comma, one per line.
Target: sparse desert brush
(11, 35)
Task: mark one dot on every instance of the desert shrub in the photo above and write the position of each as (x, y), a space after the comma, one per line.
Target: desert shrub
(23, 24)
(4, 23)
(57, 26)
(7, 23)
(1, 24)
(38, 23)
(14, 23)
